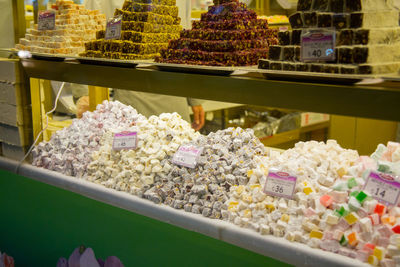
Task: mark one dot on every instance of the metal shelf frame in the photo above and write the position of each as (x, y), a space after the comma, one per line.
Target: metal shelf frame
(380, 101)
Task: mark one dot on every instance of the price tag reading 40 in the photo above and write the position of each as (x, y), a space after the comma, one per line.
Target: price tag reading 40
(318, 45)
(47, 20)
(187, 156)
(280, 184)
(383, 187)
(125, 140)
(113, 30)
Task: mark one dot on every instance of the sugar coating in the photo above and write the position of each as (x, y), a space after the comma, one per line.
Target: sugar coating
(228, 159)
(69, 149)
(159, 137)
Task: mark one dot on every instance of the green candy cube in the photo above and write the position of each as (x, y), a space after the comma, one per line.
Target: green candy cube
(352, 183)
(361, 197)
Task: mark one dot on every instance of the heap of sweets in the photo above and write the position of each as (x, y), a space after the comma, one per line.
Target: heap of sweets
(159, 137)
(74, 26)
(228, 159)
(69, 149)
(317, 167)
(227, 35)
(147, 27)
(367, 37)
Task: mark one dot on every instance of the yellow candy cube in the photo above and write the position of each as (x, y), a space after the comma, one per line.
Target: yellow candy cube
(379, 253)
(247, 198)
(255, 186)
(307, 190)
(373, 260)
(250, 173)
(270, 207)
(285, 218)
(316, 234)
(351, 218)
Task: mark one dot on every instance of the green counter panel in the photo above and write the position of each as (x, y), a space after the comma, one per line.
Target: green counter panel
(40, 223)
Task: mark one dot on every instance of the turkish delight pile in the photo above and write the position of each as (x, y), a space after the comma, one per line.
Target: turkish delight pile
(159, 137)
(228, 159)
(69, 150)
(229, 34)
(147, 26)
(74, 26)
(367, 37)
(329, 210)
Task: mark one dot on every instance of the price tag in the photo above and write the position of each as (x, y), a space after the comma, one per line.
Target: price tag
(125, 140)
(318, 45)
(113, 30)
(383, 187)
(47, 20)
(187, 156)
(280, 184)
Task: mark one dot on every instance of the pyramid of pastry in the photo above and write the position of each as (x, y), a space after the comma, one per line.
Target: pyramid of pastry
(367, 37)
(227, 35)
(74, 26)
(147, 27)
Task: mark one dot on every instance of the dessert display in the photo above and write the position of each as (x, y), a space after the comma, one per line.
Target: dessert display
(331, 207)
(367, 37)
(74, 26)
(147, 26)
(227, 35)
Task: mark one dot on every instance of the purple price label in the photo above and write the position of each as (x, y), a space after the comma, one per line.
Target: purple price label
(383, 187)
(187, 156)
(280, 184)
(125, 140)
(47, 20)
(113, 29)
(318, 45)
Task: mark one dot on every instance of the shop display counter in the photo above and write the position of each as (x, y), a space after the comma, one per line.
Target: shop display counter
(51, 210)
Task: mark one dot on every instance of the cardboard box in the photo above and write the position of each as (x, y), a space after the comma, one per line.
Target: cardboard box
(13, 152)
(15, 115)
(9, 70)
(18, 136)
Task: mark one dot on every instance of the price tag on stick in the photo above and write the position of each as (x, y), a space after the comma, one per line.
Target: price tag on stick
(46, 20)
(318, 45)
(280, 184)
(187, 156)
(113, 30)
(383, 187)
(125, 140)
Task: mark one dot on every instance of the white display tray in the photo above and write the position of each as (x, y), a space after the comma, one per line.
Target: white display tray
(278, 248)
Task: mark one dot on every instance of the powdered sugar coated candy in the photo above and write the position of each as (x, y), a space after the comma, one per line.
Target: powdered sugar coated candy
(69, 149)
(229, 158)
(158, 137)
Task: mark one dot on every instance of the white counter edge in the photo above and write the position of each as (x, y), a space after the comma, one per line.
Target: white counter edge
(278, 248)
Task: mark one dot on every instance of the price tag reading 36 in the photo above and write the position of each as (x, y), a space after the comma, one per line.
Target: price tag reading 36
(125, 140)
(280, 184)
(383, 187)
(113, 30)
(318, 45)
(187, 156)
(47, 20)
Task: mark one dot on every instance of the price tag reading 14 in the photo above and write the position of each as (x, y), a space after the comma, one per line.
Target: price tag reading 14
(383, 188)
(280, 184)
(318, 45)
(125, 140)
(187, 156)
